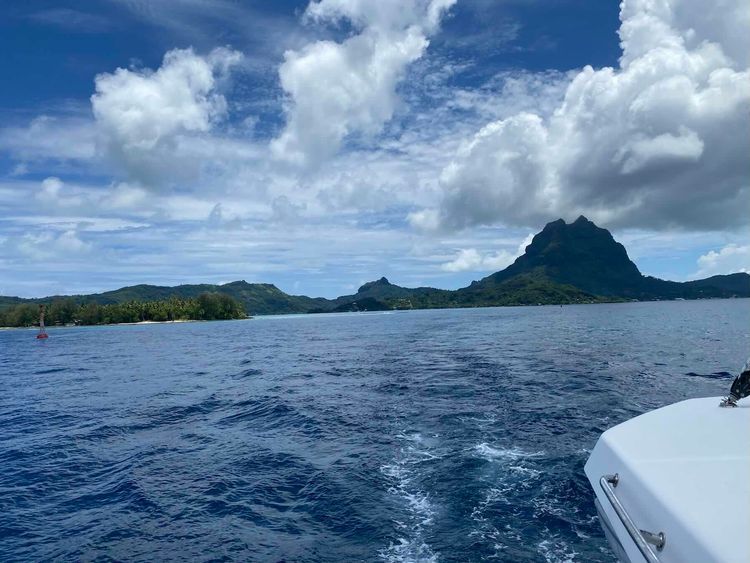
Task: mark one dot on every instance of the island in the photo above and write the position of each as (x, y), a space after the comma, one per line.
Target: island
(566, 263)
(72, 311)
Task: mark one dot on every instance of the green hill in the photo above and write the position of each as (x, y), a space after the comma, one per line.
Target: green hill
(257, 298)
(396, 296)
(565, 263)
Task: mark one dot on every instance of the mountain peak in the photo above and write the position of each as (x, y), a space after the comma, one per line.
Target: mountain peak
(560, 224)
(554, 225)
(382, 282)
(579, 254)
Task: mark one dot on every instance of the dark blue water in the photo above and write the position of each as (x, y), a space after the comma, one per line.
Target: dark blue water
(411, 436)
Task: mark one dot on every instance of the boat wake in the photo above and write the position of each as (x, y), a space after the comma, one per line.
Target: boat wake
(510, 454)
(555, 550)
(512, 475)
(402, 475)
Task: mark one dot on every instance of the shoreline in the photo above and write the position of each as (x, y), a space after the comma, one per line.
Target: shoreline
(55, 327)
(151, 322)
(336, 313)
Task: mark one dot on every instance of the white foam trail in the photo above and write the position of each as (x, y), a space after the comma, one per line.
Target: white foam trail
(552, 505)
(488, 452)
(411, 547)
(407, 551)
(520, 469)
(515, 474)
(413, 437)
(555, 550)
(485, 530)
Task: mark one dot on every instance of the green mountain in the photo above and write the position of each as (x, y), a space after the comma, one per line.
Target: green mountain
(733, 283)
(396, 296)
(525, 288)
(587, 257)
(579, 254)
(565, 263)
(519, 290)
(257, 298)
(359, 305)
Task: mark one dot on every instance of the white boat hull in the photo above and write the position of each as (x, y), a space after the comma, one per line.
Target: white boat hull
(682, 471)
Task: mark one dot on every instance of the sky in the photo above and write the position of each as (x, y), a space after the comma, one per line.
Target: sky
(321, 144)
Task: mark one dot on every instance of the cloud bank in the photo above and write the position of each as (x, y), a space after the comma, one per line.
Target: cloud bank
(660, 142)
(53, 246)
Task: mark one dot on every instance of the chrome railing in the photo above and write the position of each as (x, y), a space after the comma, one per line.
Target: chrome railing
(642, 538)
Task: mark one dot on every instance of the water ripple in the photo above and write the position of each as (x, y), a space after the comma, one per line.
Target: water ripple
(414, 436)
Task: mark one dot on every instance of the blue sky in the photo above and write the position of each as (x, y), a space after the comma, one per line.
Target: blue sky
(318, 145)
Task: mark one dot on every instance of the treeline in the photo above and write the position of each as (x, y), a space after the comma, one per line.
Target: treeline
(205, 307)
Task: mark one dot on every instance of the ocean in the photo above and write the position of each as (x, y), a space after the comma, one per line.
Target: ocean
(442, 435)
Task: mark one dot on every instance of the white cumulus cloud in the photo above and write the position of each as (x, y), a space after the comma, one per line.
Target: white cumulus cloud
(141, 114)
(659, 142)
(730, 259)
(338, 89)
(470, 259)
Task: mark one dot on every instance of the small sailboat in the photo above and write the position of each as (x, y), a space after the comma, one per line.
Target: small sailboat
(42, 331)
(671, 485)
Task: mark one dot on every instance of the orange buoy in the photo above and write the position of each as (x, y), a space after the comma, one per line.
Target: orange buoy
(42, 330)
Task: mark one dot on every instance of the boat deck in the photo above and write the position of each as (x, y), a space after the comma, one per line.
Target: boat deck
(683, 470)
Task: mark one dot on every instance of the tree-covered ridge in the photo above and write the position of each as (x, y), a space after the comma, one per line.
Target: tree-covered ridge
(257, 298)
(204, 307)
(565, 263)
